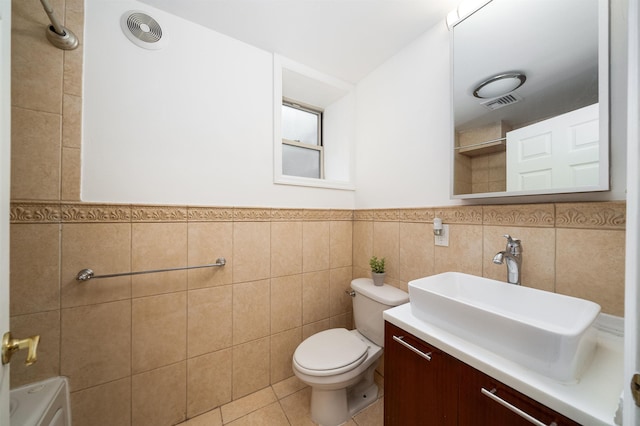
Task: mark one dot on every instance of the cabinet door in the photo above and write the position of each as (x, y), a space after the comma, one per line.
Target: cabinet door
(417, 391)
(486, 401)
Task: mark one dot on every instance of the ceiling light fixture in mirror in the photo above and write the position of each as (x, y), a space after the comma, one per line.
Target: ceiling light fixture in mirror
(499, 85)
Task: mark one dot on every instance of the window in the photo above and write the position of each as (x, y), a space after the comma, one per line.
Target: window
(313, 127)
(302, 151)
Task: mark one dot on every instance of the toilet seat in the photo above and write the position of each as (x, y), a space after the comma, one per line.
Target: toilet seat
(330, 352)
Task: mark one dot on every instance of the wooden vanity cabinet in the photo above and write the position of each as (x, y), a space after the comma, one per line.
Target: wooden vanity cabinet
(477, 407)
(446, 391)
(418, 391)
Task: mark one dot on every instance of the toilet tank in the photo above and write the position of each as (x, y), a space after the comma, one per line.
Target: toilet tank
(369, 303)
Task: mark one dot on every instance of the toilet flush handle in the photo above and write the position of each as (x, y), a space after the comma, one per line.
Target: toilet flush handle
(350, 292)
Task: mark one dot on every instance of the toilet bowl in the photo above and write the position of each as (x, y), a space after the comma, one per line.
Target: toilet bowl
(331, 373)
(339, 364)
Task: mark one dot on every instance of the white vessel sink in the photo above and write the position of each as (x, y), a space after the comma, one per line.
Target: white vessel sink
(549, 333)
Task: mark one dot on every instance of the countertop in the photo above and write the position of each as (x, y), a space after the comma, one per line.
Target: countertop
(593, 400)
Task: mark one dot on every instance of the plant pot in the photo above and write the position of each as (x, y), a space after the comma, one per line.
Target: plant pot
(378, 278)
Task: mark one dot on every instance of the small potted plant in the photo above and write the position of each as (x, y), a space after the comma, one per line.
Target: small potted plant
(377, 270)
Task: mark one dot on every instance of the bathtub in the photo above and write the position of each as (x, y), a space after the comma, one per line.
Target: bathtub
(44, 403)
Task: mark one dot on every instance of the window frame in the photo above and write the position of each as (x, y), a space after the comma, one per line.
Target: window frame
(317, 147)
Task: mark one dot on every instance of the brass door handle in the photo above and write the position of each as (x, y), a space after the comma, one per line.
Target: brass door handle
(11, 346)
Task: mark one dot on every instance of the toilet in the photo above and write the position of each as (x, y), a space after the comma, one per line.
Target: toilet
(339, 364)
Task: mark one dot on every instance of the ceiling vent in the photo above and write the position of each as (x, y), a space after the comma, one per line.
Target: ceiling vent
(142, 30)
(502, 101)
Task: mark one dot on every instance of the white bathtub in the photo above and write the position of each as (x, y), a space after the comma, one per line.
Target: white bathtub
(44, 403)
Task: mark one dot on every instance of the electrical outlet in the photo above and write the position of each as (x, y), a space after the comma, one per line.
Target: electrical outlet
(443, 240)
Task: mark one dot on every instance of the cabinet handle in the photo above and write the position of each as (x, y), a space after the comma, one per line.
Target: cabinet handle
(491, 394)
(426, 356)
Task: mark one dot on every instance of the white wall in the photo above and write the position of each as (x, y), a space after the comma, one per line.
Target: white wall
(191, 123)
(339, 139)
(404, 126)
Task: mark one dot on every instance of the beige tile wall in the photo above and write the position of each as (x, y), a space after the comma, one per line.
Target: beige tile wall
(489, 173)
(156, 349)
(185, 342)
(182, 342)
(483, 173)
(568, 248)
(46, 99)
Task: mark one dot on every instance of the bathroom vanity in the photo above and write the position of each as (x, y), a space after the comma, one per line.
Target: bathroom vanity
(449, 391)
(435, 377)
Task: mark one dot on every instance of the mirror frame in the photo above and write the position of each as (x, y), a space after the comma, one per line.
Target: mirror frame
(604, 118)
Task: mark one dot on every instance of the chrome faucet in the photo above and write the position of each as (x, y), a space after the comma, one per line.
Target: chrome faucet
(513, 255)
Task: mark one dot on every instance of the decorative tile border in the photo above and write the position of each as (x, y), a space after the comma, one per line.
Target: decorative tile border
(417, 215)
(386, 215)
(250, 214)
(606, 215)
(145, 213)
(316, 215)
(283, 215)
(591, 215)
(363, 215)
(342, 215)
(471, 215)
(209, 214)
(34, 212)
(536, 215)
(82, 213)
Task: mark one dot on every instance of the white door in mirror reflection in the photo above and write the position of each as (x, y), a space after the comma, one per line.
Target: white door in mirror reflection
(561, 152)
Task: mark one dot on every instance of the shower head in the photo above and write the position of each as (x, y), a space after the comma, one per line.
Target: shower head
(58, 35)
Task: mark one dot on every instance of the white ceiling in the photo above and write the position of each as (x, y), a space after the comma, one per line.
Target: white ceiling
(346, 39)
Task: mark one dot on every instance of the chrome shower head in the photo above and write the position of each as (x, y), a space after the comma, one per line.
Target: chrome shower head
(58, 35)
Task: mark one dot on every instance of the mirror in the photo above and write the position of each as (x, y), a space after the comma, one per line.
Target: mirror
(530, 98)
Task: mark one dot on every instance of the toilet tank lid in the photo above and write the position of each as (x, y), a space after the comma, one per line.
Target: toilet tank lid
(385, 293)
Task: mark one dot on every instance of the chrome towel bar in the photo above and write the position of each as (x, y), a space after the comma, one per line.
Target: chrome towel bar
(87, 274)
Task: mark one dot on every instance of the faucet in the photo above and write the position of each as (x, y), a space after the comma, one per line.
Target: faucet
(513, 255)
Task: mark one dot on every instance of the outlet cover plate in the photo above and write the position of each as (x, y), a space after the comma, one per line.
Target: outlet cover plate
(443, 240)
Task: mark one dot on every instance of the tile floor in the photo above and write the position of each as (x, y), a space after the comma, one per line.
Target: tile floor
(282, 404)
